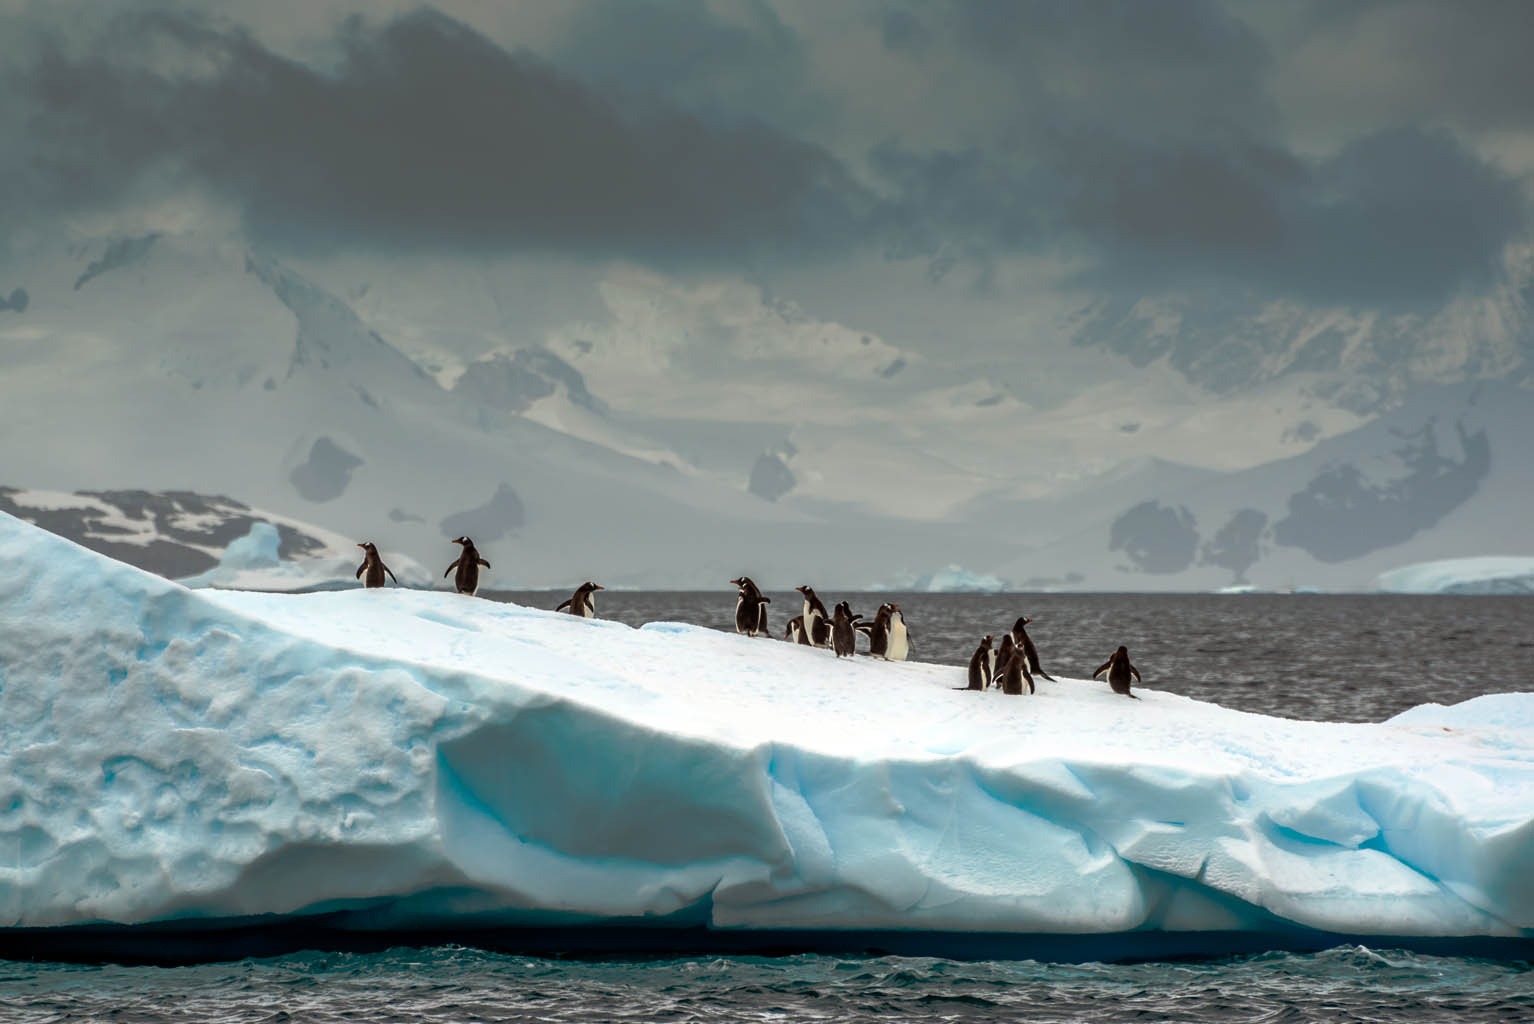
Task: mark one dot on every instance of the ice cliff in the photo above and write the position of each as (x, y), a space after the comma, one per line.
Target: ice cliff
(1487, 575)
(402, 759)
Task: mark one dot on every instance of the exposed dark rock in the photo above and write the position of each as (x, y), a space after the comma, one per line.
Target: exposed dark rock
(516, 381)
(770, 477)
(17, 303)
(1156, 538)
(1342, 515)
(490, 521)
(893, 368)
(1236, 546)
(324, 476)
(121, 253)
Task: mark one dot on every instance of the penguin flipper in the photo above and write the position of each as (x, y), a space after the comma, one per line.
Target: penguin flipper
(1136, 673)
(484, 563)
(866, 628)
(1103, 669)
(364, 565)
(564, 604)
(1044, 675)
(391, 574)
(451, 567)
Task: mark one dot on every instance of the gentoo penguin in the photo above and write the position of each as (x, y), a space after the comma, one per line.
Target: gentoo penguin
(794, 634)
(999, 658)
(878, 631)
(467, 564)
(817, 621)
(373, 566)
(750, 608)
(1119, 670)
(1013, 670)
(980, 665)
(582, 602)
(844, 634)
(900, 638)
(1020, 638)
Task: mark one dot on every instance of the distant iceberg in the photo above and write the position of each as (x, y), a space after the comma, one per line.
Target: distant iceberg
(1494, 574)
(252, 562)
(951, 579)
(394, 760)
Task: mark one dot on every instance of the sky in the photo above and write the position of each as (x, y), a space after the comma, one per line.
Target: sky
(939, 172)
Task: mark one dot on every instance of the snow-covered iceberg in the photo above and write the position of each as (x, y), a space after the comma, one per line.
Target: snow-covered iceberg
(397, 760)
(1492, 574)
(254, 562)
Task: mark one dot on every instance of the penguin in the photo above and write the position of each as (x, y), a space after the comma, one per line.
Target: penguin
(1119, 670)
(1021, 638)
(794, 634)
(900, 637)
(467, 564)
(999, 658)
(844, 635)
(582, 602)
(1014, 670)
(817, 621)
(980, 665)
(373, 566)
(878, 631)
(750, 608)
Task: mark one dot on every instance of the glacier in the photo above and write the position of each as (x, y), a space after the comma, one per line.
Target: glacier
(404, 761)
(1490, 574)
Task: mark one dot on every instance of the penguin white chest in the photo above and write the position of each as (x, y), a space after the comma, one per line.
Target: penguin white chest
(900, 643)
(589, 607)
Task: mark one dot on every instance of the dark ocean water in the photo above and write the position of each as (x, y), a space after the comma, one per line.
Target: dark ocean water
(1341, 658)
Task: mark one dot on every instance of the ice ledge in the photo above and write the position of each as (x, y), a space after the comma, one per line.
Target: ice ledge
(416, 761)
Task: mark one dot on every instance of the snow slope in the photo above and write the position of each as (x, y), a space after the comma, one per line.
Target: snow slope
(405, 759)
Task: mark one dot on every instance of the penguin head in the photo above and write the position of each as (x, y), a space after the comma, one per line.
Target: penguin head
(1022, 621)
(1122, 652)
(806, 591)
(589, 586)
(466, 542)
(369, 547)
(986, 643)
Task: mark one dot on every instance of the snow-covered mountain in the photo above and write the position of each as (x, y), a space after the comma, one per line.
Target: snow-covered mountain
(677, 433)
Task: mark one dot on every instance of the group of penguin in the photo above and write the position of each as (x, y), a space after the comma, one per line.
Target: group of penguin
(887, 634)
(1014, 662)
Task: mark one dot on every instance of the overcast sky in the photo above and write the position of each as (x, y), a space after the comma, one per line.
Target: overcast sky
(1370, 154)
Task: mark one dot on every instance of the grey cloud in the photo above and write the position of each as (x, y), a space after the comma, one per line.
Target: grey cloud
(423, 132)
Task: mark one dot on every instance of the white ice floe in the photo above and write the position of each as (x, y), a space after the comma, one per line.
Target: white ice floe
(1494, 574)
(409, 759)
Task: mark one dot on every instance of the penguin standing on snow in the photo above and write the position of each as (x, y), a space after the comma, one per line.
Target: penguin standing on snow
(900, 637)
(467, 564)
(1020, 638)
(794, 634)
(878, 631)
(1012, 669)
(373, 566)
(980, 665)
(582, 602)
(1119, 670)
(750, 608)
(817, 621)
(844, 635)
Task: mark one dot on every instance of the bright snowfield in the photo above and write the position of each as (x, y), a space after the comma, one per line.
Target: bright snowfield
(252, 562)
(1491, 575)
(413, 759)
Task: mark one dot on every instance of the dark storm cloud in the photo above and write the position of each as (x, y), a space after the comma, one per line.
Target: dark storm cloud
(423, 132)
(1142, 134)
(1141, 141)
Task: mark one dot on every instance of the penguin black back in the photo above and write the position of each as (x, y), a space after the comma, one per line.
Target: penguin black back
(582, 602)
(844, 636)
(817, 621)
(1119, 672)
(878, 631)
(980, 665)
(373, 566)
(1012, 670)
(750, 608)
(466, 580)
(1021, 638)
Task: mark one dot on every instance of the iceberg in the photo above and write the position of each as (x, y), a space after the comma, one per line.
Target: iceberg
(253, 562)
(951, 579)
(1492, 574)
(401, 761)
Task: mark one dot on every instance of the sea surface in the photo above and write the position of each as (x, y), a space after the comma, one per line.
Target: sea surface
(1336, 658)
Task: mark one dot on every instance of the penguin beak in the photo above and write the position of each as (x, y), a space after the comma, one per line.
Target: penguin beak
(598, 587)
(801, 589)
(362, 545)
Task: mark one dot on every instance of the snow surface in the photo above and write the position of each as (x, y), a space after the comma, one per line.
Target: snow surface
(1489, 575)
(419, 759)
